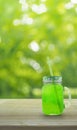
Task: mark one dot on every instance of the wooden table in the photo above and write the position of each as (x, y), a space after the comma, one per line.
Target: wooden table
(26, 114)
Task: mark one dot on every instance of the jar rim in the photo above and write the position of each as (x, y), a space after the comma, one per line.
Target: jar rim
(50, 79)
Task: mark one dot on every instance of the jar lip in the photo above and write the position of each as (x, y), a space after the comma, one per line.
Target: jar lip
(50, 79)
(53, 76)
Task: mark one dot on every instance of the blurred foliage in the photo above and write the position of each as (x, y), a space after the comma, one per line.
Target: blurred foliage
(31, 30)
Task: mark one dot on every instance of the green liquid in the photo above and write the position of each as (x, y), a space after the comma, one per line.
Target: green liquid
(52, 99)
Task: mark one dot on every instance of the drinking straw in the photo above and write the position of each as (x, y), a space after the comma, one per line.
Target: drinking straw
(52, 74)
(49, 65)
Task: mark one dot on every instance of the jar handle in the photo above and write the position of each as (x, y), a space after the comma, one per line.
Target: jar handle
(68, 103)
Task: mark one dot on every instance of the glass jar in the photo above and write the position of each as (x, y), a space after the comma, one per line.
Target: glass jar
(53, 95)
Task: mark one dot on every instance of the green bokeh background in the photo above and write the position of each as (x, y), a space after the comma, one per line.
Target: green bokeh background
(31, 30)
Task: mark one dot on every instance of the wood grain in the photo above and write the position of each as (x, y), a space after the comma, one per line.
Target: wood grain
(27, 113)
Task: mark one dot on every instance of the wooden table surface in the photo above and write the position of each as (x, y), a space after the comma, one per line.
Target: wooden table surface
(24, 114)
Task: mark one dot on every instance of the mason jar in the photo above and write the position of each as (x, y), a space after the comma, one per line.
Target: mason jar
(53, 95)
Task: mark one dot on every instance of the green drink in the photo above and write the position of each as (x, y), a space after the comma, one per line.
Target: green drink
(52, 96)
